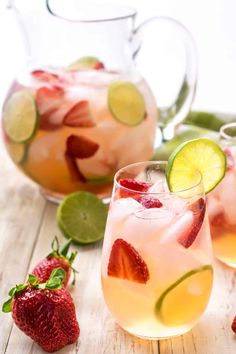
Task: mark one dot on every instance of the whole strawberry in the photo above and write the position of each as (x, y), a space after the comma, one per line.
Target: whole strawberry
(44, 311)
(56, 259)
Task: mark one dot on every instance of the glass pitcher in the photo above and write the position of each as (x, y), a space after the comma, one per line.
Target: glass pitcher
(79, 109)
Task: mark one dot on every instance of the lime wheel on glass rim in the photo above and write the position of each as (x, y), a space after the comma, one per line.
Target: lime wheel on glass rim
(199, 155)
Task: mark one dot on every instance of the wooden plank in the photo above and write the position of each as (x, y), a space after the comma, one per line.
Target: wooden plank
(21, 212)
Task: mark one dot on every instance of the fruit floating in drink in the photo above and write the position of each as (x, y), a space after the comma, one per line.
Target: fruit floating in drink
(156, 264)
(71, 129)
(222, 203)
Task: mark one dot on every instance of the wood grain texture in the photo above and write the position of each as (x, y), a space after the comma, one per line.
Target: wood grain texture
(27, 226)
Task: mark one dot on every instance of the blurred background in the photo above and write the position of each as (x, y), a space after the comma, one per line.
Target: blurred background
(211, 22)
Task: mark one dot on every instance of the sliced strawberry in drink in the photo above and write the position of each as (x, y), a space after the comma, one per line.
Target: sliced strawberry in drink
(218, 220)
(150, 202)
(98, 66)
(73, 168)
(49, 101)
(126, 263)
(230, 159)
(198, 208)
(233, 326)
(133, 185)
(79, 116)
(81, 147)
(44, 76)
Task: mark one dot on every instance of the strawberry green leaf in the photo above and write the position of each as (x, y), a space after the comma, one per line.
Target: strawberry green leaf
(55, 245)
(6, 307)
(56, 279)
(32, 279)
(65, 248)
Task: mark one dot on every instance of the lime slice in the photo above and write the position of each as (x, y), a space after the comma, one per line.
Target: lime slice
(126, 103)
(203, 155)
(20, 117)
(82, 217)
(185, 300)
(17, 152)
(84, 63)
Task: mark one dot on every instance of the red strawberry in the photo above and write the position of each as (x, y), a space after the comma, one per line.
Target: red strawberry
(233, 326)
(79, 116)
(230, 159)
(198, 208)
(48, 101)
(81, 147)
(44, 75)
(126, 263)
(150, 202)
(98, 66)
(56, 259)
(44, 311)
(74, 168)
(132, 185)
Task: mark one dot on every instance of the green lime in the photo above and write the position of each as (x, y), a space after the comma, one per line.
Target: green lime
(126, 103)
(85, 63)
(202, 155)
(82, 217)
(20, 117)
(185, 300)
(17, 151)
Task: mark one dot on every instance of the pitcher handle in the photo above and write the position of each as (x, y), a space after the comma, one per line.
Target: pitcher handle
(170, 117)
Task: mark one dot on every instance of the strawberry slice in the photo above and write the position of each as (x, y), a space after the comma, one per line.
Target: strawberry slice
(79, 116)
(150, 202)
(133, 185)
(233, 326)
(198, 208)
(48, 101)
(229, 158)
(98, 66)
(73, 168)
(45, 76)
(81, 147)
(126, 263)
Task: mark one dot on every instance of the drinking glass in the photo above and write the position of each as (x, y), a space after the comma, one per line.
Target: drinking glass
(222, 202)
(157, 254)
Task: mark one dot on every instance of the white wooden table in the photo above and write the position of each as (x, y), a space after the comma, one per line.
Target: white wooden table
(27, 226)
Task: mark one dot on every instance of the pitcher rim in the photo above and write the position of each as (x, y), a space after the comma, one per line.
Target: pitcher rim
(129, 12)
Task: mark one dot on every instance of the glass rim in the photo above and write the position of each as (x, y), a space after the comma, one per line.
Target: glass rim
(128, 12)
(200, 182)
(223, 134)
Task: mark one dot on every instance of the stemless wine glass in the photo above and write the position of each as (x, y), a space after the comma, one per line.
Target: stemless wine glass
(156, 263)
(222, 202)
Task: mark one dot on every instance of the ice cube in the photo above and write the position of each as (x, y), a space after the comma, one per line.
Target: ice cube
(174, 203)
(146, 224)
(178, 228)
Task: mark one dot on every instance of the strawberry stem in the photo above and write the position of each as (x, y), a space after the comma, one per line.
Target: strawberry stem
(65, 248)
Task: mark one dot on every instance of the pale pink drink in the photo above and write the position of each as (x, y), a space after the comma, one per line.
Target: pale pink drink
(156, 263)
(222, 203)
(78, 143)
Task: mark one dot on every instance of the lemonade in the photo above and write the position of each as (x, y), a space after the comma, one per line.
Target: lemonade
(70, 129)
(156, 264)
(222, 203)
